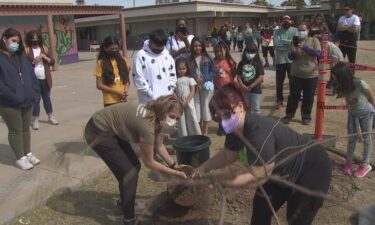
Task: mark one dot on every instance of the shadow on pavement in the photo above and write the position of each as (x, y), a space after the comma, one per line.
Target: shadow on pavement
(7, 156)
(99, 206)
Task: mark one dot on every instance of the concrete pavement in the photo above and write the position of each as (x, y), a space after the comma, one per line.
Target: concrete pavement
(66, 161)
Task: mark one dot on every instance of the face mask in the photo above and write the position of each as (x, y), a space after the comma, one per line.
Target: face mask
(35, 42)
(168, 122)
(13, 47)
(112, 53)
(231, 124)
(156, 51)
(250, 56)
(303, 34)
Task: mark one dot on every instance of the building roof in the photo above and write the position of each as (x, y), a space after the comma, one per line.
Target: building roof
(13, 9)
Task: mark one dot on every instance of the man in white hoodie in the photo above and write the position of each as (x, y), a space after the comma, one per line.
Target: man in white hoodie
(154, 72)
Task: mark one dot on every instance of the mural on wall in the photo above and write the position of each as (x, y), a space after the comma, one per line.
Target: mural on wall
(63, 28)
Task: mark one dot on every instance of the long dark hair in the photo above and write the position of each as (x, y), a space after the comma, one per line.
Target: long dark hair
(30, 35)
(228, 56)
(344, 76)
(8, 33)
(225, 98)
(183, 60)
(204, 51)
(251, 48)
(108, 74)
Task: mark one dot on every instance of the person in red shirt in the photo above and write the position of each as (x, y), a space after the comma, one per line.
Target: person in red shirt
(267, 44)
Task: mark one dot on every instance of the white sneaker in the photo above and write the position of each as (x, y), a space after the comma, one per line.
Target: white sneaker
(32, 159)
(53, 121)
(24, 164)
(35, 125)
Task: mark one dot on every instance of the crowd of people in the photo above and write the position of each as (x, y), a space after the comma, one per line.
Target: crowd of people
(180, 85)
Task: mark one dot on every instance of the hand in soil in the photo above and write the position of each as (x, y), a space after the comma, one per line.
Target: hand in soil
(180, 174)
(196, 174)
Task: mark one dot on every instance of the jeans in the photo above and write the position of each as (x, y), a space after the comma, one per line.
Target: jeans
(364, 120)
(307, 86)
(253, 101)
(18, 123)
(121, 159)
(281, 70)
(351, 52)
(45, 94)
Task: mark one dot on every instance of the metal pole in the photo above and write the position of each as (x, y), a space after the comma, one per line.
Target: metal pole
(323, 71)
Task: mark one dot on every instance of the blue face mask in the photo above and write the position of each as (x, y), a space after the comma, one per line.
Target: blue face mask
(250, 56)
(13, 46)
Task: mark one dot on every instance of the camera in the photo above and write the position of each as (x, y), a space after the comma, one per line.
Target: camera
(296, 41)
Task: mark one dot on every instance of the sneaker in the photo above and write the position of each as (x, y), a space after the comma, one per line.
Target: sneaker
(32, 159)
(24, 164)
(306, 121)
(348, 168)
(35, 125)
(286, 119)
(53, 121)
(363, 169)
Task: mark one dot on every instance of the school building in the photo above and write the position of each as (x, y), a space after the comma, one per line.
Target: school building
(202, 16)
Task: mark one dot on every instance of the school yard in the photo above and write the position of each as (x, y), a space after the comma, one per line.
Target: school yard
(84, 192)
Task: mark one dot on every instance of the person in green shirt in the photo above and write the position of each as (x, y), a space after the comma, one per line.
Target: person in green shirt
(110, 131)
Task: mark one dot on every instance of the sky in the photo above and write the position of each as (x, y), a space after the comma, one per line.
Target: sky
(129, 3)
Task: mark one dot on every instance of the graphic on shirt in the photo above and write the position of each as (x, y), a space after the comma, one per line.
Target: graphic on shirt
(117, 79)
(222, 72)
(248, 72)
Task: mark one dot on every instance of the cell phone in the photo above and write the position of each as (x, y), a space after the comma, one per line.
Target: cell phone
(296, 41)
(182, 30)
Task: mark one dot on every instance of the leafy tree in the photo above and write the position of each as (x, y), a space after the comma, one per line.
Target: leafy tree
(261, 2)
(80, 2)
(298, 3)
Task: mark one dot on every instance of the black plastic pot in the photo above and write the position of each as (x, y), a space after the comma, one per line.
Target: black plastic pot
(192, 150)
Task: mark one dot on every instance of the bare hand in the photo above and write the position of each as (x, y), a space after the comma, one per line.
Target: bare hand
(180, 166)
(181, 36)
(199, 80)
(180, 174)
(196, 174)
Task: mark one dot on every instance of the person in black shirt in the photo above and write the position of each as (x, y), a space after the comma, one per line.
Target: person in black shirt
(272, 149)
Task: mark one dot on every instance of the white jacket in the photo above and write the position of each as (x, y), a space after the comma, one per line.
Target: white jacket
(154, 75)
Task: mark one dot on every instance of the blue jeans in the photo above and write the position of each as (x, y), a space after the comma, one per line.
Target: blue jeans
(364, 121)
(253, 101)
(45, 94)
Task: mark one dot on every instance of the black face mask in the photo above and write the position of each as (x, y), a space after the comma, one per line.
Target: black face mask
(112, 53)
(156, 51)
(35, 42)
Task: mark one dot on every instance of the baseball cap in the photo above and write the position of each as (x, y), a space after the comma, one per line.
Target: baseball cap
(286, 19)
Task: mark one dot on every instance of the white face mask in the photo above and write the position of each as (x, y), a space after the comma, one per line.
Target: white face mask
(303, 34)
(168, 122)
(250, 56)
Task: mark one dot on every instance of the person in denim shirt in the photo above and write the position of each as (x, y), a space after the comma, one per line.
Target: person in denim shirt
(360, 101)
(203, 70)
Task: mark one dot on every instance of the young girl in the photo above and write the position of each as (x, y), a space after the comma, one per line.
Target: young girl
(112, 73)
(203, 70)
(360, 101)
(225, 70)
(250, 77)
(185, 90)
(224, 64)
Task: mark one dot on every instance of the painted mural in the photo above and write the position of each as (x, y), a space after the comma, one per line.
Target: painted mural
(63, 27)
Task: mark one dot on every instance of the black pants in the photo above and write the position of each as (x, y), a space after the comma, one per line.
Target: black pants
(315, 175)
(240, 45)
(234, 43)
(307, 86)
(119, 156)
(281, 71)
(351, 52)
